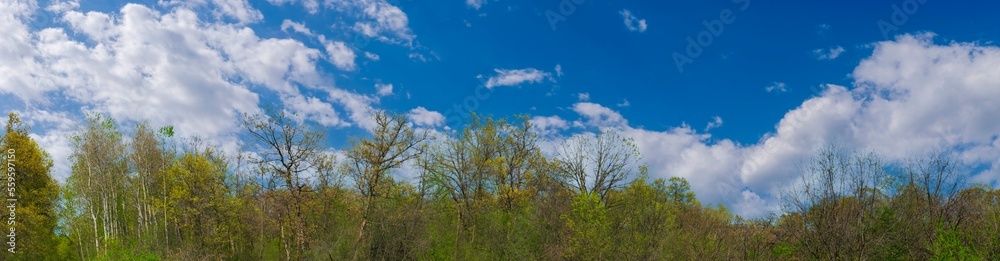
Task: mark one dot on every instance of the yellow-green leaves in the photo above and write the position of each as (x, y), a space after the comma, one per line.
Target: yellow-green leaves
(29, 216)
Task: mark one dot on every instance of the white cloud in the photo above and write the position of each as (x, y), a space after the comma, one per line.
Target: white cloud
(922, 95)
(475, 4)
(776, 87)
(506, 77)
(715, 123)
(59, 146)
(711, 168)
(57, 6)
(339, 54)
(595, 115)
(631, 22)
(378, 19)
(297, 27)
(240, 10)
(311, 5)
(358, 106)
(816, 122)
(548, 125)
(420, 116)
(383, 89)
(828, 54)
(372, 56)
(314, 109)
(20, 73)
(52, 131)
(170, 68)
(136, 72)
(559, 71)
(910, 97)
(583, 96)
(682, 152)
(624, 103)
(418, 57)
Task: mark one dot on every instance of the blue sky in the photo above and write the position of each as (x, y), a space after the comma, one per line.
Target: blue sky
(777, 80)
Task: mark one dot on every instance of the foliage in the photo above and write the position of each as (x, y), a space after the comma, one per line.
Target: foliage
(485, 192)
(29, 187)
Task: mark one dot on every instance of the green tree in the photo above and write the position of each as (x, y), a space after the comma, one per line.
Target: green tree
(30, 189)
(949, 246)
(643, 219)
(201, 205)
(679, 191)
(589, 226)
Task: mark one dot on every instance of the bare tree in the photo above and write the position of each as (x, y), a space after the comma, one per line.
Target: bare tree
(597, 164)
(369, 160)
(839, 197)
(521, 161)
(289, 150)
(939, 180)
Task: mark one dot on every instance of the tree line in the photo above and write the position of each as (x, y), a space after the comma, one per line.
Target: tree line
(485, 192)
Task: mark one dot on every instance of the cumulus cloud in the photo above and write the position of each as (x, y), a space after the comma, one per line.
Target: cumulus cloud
(595, 115)
(137, 71)
(681, 151)
(378, 19)
(339, 54)
(312, 6)
(548, 125)
(383, 89)
(505, 77)
(52, 131)
(57, 6)
(240, 10)
(631, 22)
(359, 106)
(170, 67)
(314, 109)
(420, 116)
(910, 97)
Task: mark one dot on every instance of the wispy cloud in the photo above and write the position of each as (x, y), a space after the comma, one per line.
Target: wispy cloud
(297, 27)
(715, 123)
(633, 23)
(505, 77)
(475, 4)
(776, 87)
(829, 54)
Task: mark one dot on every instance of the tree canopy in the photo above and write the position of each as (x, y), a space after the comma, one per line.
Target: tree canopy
(484, 192)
